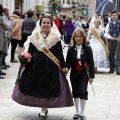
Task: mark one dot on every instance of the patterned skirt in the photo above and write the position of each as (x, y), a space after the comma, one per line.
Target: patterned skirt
(64, 100)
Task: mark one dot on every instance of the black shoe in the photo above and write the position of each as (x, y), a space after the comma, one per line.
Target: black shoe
(6, 65)
(76, 116)
(2, 73)
(111, 71)
(83, 117)
(3, 67)
(14, 61)
(118, 73)
(1, 77)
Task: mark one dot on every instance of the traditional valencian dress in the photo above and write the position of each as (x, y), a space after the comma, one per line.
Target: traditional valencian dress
(42, 83)
(100, 55)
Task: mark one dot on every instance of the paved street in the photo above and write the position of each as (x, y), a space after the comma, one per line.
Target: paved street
(105, 105)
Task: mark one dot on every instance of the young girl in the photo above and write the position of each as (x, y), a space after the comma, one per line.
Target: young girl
(77, 56)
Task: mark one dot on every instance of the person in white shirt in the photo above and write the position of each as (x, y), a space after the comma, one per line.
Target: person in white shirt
(112, 32)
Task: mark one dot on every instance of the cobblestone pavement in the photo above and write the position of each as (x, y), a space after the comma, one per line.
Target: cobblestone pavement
(105, 105)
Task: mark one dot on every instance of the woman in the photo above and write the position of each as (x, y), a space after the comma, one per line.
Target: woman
(3, 40)
(56, 21)
(42, 83)
(78, 56)
(16, 33)
(100, 52)
(69, 28)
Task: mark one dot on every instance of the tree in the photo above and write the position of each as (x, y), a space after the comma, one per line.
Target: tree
(54, 6)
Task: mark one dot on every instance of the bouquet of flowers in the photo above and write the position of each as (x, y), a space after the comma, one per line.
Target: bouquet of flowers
(24, 58)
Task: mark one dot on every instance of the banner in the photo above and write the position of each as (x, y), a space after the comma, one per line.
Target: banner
(103, 7)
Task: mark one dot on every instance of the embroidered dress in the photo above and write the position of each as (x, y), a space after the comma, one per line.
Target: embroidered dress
(99, 54)
(42, 83)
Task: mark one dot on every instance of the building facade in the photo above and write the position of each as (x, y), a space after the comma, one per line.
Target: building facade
(80, 8)
(24, 5)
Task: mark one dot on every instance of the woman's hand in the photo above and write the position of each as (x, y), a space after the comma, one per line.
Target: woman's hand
(65, 70)
(91, 80)
(22, 65)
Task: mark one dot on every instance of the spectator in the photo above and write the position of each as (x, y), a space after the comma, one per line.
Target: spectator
(3, 40)
(16, 33)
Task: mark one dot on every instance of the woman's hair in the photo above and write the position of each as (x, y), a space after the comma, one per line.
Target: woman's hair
(30, 13)
(23, 16)
(1, 9)
(82, 32)
(17, 12)
(70, 19)
(98, 19)
(46, 16)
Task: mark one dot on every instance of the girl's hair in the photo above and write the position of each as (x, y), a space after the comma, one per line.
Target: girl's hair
(82, 32)
(1, 9)
(46, 16)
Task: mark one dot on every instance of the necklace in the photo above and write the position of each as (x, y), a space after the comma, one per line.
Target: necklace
(45, 35)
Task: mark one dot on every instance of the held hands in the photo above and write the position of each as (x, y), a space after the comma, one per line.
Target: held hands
(112, 38)
(91, 80)
(65, 70)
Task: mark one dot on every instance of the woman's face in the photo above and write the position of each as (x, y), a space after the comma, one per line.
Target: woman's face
(46, 25)
(97, 23)
(78, 38)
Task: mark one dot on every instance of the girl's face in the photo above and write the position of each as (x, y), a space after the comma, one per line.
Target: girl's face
(78, 38)
(46, 25)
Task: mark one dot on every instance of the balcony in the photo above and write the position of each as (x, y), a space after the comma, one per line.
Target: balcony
(76, 5)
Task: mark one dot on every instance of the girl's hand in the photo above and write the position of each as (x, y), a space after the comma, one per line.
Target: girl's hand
(65, 70)
(91, 80)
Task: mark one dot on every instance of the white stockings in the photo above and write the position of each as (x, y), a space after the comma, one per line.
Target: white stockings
(80, 106)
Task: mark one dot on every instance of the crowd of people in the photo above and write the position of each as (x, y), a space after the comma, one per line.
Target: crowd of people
(91, 44)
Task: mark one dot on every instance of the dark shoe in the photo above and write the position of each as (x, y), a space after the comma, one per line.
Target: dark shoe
(118, 73)
(3, 67)
(111, 71)
(2, 73)
(6, 65)
(1, 77)
(76, 116)
(14, 61)
(83, 117)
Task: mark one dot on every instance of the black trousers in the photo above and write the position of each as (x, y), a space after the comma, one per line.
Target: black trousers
(79, 84)
(67, 39)
(117, 61)
(14, 43)
(112, 52)
(24, 38)
(1, 57)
